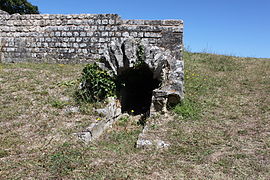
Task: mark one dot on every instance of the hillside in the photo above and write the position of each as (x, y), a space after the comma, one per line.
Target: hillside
(221, 131)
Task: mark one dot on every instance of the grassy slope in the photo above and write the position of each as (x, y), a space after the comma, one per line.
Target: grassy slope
(220, 132)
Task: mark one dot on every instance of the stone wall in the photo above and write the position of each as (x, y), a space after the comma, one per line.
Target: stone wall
(78, 38)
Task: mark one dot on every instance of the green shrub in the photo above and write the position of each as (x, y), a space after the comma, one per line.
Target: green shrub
(95, 84)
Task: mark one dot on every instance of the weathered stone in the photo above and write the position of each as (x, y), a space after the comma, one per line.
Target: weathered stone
(145, 140)
(165, 67)
(96, 129)
(92, 28)
(154, 133)
(72, 110)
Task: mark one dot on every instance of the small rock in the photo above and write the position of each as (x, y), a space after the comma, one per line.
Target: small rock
(162, 144)
(72, 110)
(85, 136)
(143, 143)
(65, 98)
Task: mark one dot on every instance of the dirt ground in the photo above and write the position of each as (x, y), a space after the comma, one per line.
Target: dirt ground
(221, 131)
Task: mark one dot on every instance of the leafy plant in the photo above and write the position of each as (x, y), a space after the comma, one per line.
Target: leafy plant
(123, 121)
(140, 53)
(95, 84)
(68, 83)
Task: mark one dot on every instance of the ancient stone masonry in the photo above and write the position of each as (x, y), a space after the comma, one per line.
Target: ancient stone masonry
(156, 73)
(150, 79)
(78, 38)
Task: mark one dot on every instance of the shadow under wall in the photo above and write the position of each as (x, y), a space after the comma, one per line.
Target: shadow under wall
(135, 88)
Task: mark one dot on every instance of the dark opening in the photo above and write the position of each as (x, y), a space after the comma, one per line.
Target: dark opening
(135, 87)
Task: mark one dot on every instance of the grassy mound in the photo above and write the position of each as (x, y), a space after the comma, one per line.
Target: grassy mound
(221, 131)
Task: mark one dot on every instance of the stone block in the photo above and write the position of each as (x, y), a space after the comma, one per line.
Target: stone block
(134, 22)
(79, 39)
(48, 39)
(89, 34)
(97, 34)
(105, 21)
(82, 34)
(64, 44)
(152, 35)
(105, 34)
(98, 22)
(10, 49)
(45, 45)
(86, 28)
(76, 34)
(140, 34)
(101, 28)
(72, 39)
(94, 39)
(113, 28)
(91, 21)
(93, 28)
(102, 40)
(82, 45)
(111, 21)
(75, 45)
(172, 22)
(125, 34)
(57, 34)
(134, 34)
(86, 39)
(118, 34)
(46, 33)
(69, 34)
(71, 50)
(84, 51)
(153, 22)
(111, 34)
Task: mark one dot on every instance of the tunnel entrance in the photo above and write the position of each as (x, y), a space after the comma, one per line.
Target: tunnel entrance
(135, 88)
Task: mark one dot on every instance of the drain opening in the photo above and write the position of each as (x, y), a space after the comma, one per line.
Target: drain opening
(135, 88)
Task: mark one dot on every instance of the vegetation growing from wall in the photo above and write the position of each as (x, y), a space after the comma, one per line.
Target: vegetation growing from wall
(95, 84)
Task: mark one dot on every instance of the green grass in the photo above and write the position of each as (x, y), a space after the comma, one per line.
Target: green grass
(58, 103)
(220, 131)
(188, 109)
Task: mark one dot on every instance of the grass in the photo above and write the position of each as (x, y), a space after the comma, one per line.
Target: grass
(220, 131)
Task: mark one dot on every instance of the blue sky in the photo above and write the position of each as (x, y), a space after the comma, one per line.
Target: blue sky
(232, 27)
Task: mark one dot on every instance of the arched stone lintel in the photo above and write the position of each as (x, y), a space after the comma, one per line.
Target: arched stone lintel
(165, 67)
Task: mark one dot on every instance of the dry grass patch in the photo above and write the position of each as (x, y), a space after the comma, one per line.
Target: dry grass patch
(221, 131)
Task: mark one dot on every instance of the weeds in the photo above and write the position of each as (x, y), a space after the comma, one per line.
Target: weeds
(3, 153)
(64, 160)
(188, 110)
(123, 121)
(58, 104)
(220, 131)
(95, 85)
